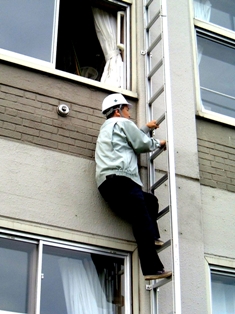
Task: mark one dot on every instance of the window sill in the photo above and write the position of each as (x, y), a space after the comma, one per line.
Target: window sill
(46, 69)
(214, 28)
(216, 117)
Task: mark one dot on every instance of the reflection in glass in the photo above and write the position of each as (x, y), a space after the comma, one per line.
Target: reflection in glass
(78, 282)
(219, 12)
(16, 275)
(223, 293)
(217, 73)
(27, 27)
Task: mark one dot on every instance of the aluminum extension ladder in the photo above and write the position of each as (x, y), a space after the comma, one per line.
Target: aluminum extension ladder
(158, 96)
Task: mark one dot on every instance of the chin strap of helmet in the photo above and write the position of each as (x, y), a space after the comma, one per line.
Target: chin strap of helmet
(120, 111)
(113, 109)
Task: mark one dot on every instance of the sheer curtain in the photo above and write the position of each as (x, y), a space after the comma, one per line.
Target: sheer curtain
(202, 9)
(106, 30)
(199, 53)
(82, 289)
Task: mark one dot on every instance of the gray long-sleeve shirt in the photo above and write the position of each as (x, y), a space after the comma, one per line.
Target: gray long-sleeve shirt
(118, 144)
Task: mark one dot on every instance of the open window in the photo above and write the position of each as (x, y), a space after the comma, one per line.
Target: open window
(92, 40)
(85, 38)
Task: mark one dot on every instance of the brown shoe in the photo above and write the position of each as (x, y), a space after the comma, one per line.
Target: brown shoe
(158, 242)
(160, 274)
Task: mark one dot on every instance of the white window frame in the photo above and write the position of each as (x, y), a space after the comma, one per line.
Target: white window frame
(230, 35)
(49, 67)
(40, 241)
(216, 263)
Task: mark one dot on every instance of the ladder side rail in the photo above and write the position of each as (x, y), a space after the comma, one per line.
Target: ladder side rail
(148, 78)
(171, 165)
(154, 301)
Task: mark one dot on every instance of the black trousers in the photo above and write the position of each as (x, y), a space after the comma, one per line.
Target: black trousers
(127, 200)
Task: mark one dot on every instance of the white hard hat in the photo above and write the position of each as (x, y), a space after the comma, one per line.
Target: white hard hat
(113, 100)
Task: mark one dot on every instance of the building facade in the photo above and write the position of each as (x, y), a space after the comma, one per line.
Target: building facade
(58, 238)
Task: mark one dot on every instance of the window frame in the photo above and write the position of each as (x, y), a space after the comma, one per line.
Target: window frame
(216, 263)
(213, 31)
(41, 241)
(49, 67)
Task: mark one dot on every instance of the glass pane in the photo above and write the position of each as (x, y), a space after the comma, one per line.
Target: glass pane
(16, 275)
(78, 282)
(220, 12)
(217, 73)
(27, 27)
(223, 293)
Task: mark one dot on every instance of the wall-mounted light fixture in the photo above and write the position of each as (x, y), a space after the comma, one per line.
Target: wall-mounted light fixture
(63, 110)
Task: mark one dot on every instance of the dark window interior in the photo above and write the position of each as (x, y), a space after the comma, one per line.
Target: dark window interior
(78, 46)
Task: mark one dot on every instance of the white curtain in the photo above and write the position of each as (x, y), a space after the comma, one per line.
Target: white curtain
(199, 53)
(223, 298)
(106, 30)
(82, 289)
(202, 9)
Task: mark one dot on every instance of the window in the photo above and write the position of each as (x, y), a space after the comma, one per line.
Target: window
(215, 26)
(17, 274)
(85, 38)
(219, 12)
(44, 277)
(223, 290)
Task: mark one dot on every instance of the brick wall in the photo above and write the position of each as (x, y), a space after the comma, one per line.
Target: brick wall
(216, 150)
(28, 111)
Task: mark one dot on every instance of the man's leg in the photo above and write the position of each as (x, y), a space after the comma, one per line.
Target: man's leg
(144, 229)
(152, 205)
(126, 198)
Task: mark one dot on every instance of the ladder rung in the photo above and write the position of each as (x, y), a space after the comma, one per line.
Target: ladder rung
(154, 44)
(164, 246)
(158, 284)
(163, 212)
(155, 69)
(156, 153)
(154, 19)
(159, 182)
(156, 95)
(161, 118)
(148, 3)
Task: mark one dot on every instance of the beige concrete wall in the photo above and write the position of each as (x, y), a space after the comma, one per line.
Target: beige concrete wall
(218, 222)
(48, 188)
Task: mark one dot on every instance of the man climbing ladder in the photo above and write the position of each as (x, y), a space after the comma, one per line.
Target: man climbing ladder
(119, 143)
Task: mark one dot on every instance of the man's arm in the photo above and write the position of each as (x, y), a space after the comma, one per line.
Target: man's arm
(139, 140)
(150, 126)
